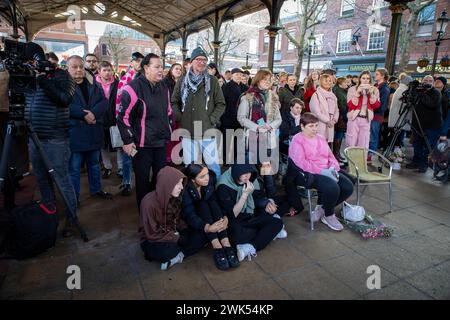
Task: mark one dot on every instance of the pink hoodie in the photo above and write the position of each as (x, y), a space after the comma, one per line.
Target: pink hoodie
(106, 87)
(312, 154)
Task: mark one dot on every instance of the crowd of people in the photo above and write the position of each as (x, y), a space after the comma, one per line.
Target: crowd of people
(210, 198)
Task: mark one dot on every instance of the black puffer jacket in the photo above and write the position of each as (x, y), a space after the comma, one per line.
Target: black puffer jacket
(429, 110)
(47, 108)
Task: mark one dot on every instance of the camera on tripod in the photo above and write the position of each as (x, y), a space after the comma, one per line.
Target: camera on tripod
(415, 89)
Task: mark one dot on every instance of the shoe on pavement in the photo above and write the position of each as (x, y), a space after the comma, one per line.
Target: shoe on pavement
(245, 251)
(103, 195)
(107, 173)
(232, 258)
(126, 190)
(317, 213)
(178, 259)
(332, 222)
(220, 259)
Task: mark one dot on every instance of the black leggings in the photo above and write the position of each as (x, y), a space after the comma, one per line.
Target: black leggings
(258, 230)
(210, 212)
(332, 193)
(190, 242)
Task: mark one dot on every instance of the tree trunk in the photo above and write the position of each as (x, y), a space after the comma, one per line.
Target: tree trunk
(405, 42)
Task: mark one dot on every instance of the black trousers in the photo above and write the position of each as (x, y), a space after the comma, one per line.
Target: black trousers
(143, 161)
(210, 212)
(258, 230)
(332, 193)
(190, 242)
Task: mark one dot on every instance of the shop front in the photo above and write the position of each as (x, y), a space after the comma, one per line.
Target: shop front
(355, 65)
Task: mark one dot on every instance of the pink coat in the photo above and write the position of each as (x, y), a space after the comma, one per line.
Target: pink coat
(324, 106)
(312, 154)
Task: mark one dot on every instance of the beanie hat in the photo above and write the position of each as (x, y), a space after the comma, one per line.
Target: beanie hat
(136, 55)
(236, 70)
(406, 80)
(442, 79)
(197, 53)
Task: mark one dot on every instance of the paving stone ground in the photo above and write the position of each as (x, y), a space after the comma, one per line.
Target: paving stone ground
(319, 264)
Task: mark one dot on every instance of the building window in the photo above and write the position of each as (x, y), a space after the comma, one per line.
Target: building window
(322, 12)
(318, 44)
(104, 49)
(347, 8)
(376, 39)
(278, 43)
(266, 43)
(344, 40)
(426, 20)
(291, 32)
(377, 4)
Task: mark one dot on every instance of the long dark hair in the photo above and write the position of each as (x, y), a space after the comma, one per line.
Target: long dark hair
(193, 170)
(170, 74)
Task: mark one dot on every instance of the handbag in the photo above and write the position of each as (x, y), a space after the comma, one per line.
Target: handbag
(353, 212)
(116, 139)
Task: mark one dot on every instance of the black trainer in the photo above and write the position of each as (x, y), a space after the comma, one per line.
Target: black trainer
(107, 173)
(220, 259)
(232, 258)
(126, 190)
(103, 195)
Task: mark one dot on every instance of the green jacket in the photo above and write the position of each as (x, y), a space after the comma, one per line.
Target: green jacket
(195, 108)
(285, 96)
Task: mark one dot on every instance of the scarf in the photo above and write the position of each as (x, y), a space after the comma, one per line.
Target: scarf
(227, 179)
(296, 118)
(258, 104)
(328, 98)
(191, 83)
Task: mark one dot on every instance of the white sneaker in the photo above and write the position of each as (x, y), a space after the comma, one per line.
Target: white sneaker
(282, 234)
(177, 259)
(245, 251)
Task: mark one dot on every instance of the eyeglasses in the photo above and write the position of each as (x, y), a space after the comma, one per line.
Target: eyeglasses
(201, 60)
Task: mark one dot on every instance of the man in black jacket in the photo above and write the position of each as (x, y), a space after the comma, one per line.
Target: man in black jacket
(428, 108)
(47, 110)
(143, 123)
(232, 91)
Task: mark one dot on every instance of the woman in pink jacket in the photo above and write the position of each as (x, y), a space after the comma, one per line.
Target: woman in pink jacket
(362, 99)
(324, 106)
(311, 154)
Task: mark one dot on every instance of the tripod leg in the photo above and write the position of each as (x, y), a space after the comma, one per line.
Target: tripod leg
(51, 172)
(7, 177)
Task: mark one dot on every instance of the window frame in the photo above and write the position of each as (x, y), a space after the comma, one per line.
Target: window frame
(318, 53)
(343, 2)
(375, 30)
(338, 40)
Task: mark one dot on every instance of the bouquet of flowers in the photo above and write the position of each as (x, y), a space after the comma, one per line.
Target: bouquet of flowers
(370, 228)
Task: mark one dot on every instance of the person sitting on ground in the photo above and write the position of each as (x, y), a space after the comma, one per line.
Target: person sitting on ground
(202, 213)
(164, 235)
(313, 157)
(251, 214)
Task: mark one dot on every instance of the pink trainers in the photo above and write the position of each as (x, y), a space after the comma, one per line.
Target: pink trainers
(332, 222)
(317, 213)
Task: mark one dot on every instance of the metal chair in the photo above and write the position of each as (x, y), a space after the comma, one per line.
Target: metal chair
(357, 164)
(308, 194)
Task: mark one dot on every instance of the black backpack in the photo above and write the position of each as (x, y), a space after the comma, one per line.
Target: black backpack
(32, 231)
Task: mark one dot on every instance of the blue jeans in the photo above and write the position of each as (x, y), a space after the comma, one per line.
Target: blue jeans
(127, 165)
(420, 147)
(92, 159)
(58, 153)
(375, 128)
(207, 147)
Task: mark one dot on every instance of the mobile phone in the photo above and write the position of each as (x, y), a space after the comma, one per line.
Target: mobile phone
(133, 152)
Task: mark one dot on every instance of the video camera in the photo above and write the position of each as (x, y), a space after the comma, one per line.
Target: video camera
(415, 89)
(23, 61)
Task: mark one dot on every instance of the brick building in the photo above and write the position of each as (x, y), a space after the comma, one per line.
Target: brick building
(351, 37)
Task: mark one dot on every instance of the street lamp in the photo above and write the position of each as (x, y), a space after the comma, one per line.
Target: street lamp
(441, 25)
(311, 43)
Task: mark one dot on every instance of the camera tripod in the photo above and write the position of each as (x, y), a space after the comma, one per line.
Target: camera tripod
(8, 174)
(401, 122)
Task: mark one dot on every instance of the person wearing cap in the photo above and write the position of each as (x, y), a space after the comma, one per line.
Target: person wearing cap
(440, 84)
(198, 102)
(231, 91)
(123, 160)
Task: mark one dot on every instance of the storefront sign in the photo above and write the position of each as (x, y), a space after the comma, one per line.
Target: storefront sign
(362, 67)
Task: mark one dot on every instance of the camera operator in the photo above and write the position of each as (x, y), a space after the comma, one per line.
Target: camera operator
(428, 109)
(47, 110)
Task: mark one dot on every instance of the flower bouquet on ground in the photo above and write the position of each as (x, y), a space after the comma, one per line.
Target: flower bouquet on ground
(369, 228)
